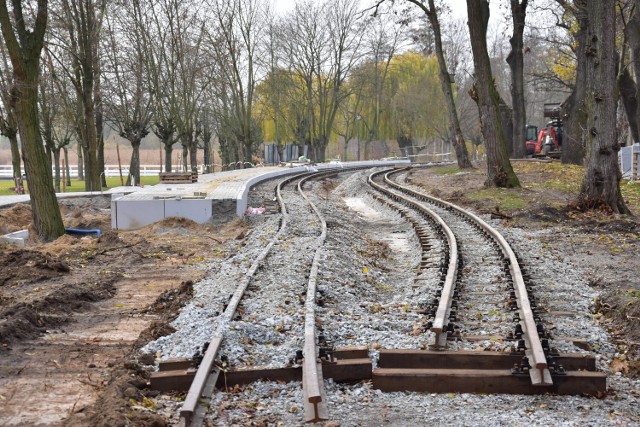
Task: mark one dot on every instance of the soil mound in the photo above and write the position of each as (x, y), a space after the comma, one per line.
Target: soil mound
(15, 218)
(29, 266)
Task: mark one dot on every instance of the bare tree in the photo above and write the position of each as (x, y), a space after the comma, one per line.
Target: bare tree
(56, 118)
(24, 46)
(323, 43)
(573, 141)
(462, 154)
(127, 101)
(160, 65)
(80, 25)
(499, 170)
(383, 41)
(515, 59)
(233, 43)
(8, 121)
(171, 36)
(601, 184)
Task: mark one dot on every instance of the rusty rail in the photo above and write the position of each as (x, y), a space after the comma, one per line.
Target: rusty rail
(540, 375)
(441, 319)
(312, 381)
(206, 376)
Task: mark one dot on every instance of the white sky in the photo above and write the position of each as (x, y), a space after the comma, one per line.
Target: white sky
(459, 7)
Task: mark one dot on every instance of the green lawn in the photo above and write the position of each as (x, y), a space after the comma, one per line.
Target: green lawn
(77, 185)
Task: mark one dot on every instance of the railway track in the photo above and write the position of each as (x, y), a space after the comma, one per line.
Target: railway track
(308, 238)
(453, 315)
(462, 258)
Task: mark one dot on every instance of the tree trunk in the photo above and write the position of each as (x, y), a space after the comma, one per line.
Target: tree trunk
(44, 205)
(185, 154)
(499, 170)
(630, 102)
(601, 184)
(100, 136)
(633, 37)
(193, 154)
(97, 99)
(206, 146)
(16, 163)
(457, 138)
(24, 49)
(56, 165)
(506, 117)
(134, 165)
(515, 59)
(67, 168)
(321, 149)
(346, 148)
(80, 162)
(92, 170)
(573, 143)
(168, 152)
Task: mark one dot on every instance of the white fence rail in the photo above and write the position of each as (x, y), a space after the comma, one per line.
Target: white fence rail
(6, 171)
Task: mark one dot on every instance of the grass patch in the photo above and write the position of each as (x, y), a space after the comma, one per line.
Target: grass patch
(78, 185)
(506, 199)
(631, 194)
(554, 176)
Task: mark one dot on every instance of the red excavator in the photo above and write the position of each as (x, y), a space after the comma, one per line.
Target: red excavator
(548, 142)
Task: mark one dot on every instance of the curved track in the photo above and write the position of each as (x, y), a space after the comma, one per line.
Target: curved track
(450, 302)
(308, 239)
(464, 288)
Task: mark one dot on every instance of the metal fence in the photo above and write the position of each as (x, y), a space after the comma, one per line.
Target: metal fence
(6, 171)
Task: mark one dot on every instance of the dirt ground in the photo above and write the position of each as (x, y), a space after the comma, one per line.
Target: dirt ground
(74, 312)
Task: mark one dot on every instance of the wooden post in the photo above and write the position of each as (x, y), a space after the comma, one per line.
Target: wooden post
(119, 164)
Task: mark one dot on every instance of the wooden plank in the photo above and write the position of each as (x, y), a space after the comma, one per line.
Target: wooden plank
(484, 381)
(427, 359)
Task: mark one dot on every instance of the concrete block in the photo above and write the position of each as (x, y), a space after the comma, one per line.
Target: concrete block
(17, 238)
(199, 210)
(132, 214)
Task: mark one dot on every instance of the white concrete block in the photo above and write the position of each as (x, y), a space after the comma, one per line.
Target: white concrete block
(17, 238)
(132, 214)
(199, 210)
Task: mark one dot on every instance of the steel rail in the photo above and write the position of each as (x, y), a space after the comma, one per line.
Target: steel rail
(207, 373)
(441, 319)
(312, 380)
(541, 375)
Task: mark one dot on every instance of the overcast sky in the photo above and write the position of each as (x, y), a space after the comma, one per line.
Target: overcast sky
(459, 7)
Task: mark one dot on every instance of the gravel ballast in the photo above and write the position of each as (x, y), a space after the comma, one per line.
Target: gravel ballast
(370, 297)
